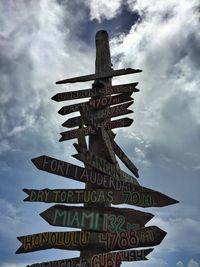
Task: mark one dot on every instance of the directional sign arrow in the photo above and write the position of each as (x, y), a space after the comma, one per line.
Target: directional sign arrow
(102, 133)
(101, 164)
(100, 76)
(114, 111)
(111, 259)
(142, 197)
(71, 108)
(124, 158)
(125, 122)
(99, 219)
(142, 237)
(116, 89)
(73, 262)
(80, 174)
(97, 103)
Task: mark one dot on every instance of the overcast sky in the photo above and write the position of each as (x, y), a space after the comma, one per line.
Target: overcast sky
(46, 40)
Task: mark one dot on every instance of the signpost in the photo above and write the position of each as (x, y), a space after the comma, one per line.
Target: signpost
(104, 229)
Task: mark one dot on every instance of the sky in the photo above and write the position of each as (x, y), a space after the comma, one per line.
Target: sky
(45, 41)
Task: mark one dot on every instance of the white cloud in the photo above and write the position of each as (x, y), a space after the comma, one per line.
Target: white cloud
(191, 263)
(12, 265)
(164, 44)
(103, 9)
(180, 264)
(36, 50)
(182, 233)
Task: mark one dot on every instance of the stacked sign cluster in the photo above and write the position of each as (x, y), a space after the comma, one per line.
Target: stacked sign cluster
(110, 234)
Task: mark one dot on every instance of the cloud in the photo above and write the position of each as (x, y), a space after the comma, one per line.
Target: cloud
(36, 50)
(164, 44)
(191, 263)
(101, 10)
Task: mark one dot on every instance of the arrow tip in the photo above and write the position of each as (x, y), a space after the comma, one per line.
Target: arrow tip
(38, 161)
(55, 98)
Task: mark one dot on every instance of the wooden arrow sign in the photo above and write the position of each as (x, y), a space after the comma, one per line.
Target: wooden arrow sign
(99, 219)
(73, 262)
(124, 158)
(142, 197)
(99, 76)
(125, 122)
(111, 112)
(101, 164)
(72, 108)
(80, 174)
(102, 133)
(135, 194)
(111, 259)
(115, 258)
(97, 104)
(143, 237)
(103, 90)
(105, 101)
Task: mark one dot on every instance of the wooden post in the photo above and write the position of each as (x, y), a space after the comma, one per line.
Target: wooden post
(96, 145)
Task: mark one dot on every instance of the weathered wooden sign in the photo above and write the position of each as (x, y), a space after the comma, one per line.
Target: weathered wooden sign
(99, 76)
(96, 219)
(101, 164)
(115, 258)
(97, 104)
(80, 174)
(73, 262)
(125, 122)
(111, 112)
(72, 108)
(103, 135)
(142, 197)
(105, 101)
(124, 158)
(143, 237)
(99, 260)
(103, 90)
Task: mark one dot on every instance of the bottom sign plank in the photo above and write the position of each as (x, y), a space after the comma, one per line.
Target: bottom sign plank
(98, 260)
(142, 237)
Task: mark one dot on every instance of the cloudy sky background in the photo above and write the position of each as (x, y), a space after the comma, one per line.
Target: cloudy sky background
(45, 41)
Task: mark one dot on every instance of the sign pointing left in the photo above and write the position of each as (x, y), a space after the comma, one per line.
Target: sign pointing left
(111, 259)
(125, 122)
(142, 237)
(98, 76)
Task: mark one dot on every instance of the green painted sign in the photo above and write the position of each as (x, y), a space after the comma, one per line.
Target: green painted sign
(96, 219)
